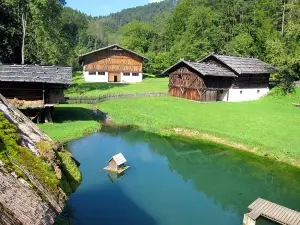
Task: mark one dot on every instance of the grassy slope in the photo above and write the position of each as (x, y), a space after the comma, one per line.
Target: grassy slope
(81, 88)
(71, 122)
(271, 124)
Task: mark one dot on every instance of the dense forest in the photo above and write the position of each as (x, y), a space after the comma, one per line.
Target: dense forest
(164, 32)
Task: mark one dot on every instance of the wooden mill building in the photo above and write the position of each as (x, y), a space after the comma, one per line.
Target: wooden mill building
(112, 64)
(34, 86)
(220, 78)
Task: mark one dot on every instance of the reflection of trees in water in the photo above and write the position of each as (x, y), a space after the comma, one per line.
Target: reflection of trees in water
(233, 179)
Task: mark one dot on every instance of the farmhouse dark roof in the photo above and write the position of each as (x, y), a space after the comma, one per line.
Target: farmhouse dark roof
(206, 69)
(36, 73)
(110, 47)
(243, 65)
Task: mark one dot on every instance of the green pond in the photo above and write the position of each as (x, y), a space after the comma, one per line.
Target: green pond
(173, 181)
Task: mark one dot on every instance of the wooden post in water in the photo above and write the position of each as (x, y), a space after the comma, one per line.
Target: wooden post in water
(248, 221)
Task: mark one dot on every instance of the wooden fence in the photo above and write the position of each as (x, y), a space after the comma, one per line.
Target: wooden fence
(93, 100)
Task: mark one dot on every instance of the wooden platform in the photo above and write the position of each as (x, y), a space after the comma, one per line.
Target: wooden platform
(116, 171)
(273, 212)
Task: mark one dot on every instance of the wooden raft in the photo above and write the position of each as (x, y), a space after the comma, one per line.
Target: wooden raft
(274, 212)
(119, 171)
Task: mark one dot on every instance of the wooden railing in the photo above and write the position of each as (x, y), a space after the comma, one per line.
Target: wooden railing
(93, 100)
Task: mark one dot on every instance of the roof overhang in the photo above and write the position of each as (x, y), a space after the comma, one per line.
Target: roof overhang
(81, 57)
(187, 63)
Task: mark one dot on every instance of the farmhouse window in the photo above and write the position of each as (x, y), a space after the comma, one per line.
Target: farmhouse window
(126, 74)
(258, 91)
(135, 74)
(92, 73)
(221, 92)
(101, 73)
(241, 92)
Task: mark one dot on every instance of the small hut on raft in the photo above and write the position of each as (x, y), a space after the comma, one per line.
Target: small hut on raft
(117, 164)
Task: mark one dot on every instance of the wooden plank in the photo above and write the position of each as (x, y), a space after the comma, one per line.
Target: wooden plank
(275, 210)
(270, 209)
(291, 217)
(255, 204)
(288, 215)
(297, 221)
(296, 217)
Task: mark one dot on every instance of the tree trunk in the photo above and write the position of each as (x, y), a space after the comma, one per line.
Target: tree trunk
(283, 17)
(24, 25)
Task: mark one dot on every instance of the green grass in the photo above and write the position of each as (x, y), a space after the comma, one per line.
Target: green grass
(71, 122)
(271, 125)
(82, 88)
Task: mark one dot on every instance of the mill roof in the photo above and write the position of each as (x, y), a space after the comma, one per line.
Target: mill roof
(119, 159)
(206, 69)
(243, 65)
(36, 73)
(114, 46)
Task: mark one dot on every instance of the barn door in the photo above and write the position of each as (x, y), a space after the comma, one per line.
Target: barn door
(114, 77)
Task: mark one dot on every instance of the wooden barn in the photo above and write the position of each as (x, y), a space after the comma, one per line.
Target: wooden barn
(112, 64)
(220, 78)
(33, 86)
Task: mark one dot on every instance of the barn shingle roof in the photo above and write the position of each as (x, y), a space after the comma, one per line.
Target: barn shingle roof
(36, 73)
(206, 69)
(243, 65)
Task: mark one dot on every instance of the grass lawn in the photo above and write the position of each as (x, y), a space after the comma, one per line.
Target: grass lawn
(71, 122)
(270, 125)
(81, 88)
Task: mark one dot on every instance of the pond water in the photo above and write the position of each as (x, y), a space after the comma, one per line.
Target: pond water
(173, 181)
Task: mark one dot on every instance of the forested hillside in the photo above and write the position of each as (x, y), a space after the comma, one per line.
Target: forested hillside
(164, 32)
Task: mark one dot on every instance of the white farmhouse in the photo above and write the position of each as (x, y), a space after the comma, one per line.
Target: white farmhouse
(112, 64)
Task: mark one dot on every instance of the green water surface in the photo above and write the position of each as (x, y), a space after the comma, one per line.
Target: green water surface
(173, 181)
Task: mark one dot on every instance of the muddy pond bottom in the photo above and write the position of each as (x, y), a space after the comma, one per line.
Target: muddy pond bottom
(173, 181)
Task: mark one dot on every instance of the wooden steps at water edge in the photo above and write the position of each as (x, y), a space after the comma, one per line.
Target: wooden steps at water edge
(271, 211)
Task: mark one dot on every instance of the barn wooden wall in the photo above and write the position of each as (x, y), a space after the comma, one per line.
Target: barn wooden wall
(113, 61)
(185, 83)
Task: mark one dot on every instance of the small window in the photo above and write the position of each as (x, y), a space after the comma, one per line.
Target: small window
(101, 73)
(258, 91)
(241, 92)
(135, 74)
(126, 74)
(221, 92)
(92, 73)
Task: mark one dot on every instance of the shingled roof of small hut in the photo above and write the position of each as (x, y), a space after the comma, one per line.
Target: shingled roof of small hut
(243, 65)
(119, 159)
(36, 73)
(206, 69)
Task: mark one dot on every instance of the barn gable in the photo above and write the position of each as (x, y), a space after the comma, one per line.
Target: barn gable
(114, 47)
(205, 69)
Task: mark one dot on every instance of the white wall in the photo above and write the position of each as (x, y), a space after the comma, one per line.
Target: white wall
(104, 78)
(222, 96)
(131, 79)
(95, 78)
(248, 94)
